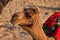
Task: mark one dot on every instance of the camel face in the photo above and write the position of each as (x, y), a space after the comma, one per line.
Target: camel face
(24, 19)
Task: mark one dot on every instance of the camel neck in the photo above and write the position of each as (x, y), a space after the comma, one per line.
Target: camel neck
(37, 31)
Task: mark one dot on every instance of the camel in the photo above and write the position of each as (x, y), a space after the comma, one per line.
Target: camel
(30, 21)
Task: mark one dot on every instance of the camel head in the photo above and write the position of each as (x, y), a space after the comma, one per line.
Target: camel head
(25, 18)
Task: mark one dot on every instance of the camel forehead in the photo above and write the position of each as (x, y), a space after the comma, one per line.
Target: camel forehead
(29, 9)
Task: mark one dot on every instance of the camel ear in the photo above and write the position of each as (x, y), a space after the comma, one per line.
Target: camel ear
(36, 10)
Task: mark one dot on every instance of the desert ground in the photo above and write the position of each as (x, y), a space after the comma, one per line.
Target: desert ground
(13, 6)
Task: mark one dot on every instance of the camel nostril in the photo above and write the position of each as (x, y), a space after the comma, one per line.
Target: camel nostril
(14, 17)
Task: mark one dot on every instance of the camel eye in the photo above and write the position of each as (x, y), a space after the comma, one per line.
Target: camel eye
(27, 14)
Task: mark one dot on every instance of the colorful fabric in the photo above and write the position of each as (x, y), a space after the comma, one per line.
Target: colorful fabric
(51, 23)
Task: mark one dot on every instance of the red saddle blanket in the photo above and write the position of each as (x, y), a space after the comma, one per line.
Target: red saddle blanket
(53, 19)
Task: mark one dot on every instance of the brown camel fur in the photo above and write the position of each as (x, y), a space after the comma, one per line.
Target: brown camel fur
(30, 21)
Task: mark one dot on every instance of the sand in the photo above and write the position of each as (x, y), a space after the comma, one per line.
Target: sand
(18, 33)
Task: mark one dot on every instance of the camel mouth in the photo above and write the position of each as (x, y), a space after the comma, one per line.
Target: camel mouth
(26, 24)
